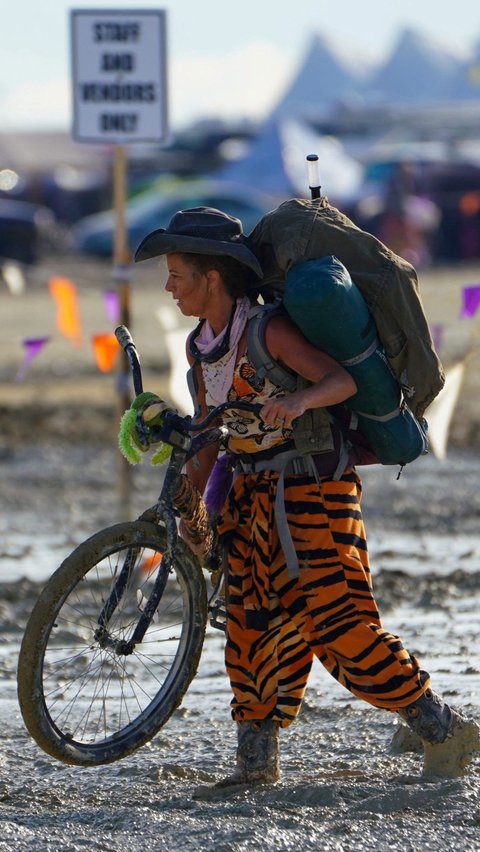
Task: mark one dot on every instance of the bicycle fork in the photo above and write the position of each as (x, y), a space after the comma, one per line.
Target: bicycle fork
(102, 634)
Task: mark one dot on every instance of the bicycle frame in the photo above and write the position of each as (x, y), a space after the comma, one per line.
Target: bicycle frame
(176, 431)
(162, 511)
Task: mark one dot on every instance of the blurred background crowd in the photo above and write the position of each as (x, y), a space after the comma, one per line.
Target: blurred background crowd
(399, 152)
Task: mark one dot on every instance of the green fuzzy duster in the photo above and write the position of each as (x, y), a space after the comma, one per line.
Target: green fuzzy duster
(143, 399)
(161, 454)
(128, 441)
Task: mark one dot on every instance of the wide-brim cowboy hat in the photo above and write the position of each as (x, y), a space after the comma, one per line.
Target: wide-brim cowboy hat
(200, 230)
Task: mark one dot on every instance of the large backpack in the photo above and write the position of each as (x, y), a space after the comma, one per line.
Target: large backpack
(300, 230)
(372, 426)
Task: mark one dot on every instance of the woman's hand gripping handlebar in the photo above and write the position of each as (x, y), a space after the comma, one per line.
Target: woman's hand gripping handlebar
(151, 421)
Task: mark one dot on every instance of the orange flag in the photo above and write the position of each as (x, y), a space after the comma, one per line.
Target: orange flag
(149, 563)
(105, 349)
(64, 293)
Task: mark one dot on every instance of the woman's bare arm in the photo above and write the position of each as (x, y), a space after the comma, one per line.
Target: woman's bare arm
(331, 384)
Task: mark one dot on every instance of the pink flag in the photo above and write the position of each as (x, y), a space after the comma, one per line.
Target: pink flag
(33, 346)
(471, 301)
(112, 306)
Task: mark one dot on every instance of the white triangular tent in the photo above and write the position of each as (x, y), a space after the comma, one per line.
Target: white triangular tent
(175, 336)
(275, 163)
(341, 175)
(440, 413)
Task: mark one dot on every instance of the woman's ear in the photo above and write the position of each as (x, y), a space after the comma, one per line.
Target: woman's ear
(214, 280)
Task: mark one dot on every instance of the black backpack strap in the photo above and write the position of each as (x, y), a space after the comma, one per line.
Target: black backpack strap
(192, 384)
(258, 354)
(193, 380)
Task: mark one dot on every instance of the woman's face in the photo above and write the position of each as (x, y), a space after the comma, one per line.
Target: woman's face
(188, 287)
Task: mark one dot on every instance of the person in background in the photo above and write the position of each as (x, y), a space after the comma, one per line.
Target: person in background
(297, 570)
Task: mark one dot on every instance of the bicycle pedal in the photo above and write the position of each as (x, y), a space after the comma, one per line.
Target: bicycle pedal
(218, 614)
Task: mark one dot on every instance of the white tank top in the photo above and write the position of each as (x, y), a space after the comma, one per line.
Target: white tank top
(247, 432)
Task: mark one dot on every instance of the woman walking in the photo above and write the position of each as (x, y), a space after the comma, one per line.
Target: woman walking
(297, 568)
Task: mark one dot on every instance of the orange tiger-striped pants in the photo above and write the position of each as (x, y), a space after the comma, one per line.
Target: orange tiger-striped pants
(276, 624)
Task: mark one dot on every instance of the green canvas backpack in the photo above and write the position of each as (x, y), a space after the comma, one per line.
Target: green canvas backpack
(305, 229)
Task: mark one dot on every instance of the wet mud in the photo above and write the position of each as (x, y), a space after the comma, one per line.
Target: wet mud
(351, 776)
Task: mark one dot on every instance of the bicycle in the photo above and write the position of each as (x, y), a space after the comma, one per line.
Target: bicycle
(115, 638)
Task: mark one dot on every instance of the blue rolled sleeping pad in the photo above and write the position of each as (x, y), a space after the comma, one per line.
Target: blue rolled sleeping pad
(331, 312)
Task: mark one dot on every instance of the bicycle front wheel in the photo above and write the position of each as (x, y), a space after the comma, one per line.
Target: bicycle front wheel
(87, 696)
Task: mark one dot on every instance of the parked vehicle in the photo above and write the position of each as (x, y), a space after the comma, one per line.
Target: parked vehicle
(22, 226)
(153, 209)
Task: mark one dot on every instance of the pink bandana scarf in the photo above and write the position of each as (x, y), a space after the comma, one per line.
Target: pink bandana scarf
(218, 376)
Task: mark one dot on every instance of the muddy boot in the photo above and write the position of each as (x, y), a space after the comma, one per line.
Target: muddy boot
(449, 739)
(257, 754)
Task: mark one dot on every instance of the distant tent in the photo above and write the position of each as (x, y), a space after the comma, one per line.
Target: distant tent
(321, 82)
(440, 412)
(341, 176)
(263, 165)
(275, 163)
(417, 71)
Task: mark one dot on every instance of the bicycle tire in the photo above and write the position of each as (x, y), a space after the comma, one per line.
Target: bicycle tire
(84, 704)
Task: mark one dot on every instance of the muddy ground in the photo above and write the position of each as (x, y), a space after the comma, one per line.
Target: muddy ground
(343, 785)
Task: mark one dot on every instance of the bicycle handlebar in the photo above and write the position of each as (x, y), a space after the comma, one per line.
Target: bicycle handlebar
(124, 337)
(215, 412)
(173, 420)
(176, 429)
(125, 340)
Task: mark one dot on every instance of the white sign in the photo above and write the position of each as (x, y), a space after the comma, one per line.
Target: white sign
(119, 75)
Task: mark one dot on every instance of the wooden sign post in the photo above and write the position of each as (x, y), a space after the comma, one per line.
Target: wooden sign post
(121, 279)
(120, 98)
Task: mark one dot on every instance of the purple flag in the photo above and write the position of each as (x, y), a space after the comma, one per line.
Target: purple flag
(33, 346)
(471, 301)
(112, 305)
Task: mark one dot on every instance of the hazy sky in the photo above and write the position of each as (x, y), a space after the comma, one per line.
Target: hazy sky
(225, 59)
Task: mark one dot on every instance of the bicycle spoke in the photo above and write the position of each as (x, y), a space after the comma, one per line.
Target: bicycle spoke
(106, 688)
(126, 683)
